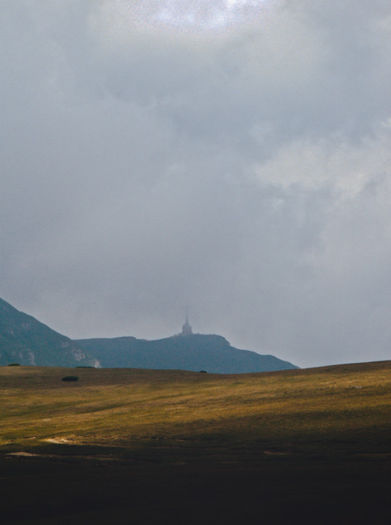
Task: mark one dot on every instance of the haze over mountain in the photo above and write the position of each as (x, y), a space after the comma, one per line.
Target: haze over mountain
(26, 341)
(185, 351)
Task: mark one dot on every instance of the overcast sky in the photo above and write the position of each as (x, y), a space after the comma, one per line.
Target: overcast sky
(234, 159)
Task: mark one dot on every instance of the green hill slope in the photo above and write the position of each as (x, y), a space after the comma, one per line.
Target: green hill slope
(195, 352)
(25, 340)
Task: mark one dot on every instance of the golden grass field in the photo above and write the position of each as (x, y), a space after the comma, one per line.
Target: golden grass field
(315, 440)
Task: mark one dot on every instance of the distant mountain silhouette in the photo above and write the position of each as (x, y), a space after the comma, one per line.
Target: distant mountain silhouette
(196, 352)
(26, 341)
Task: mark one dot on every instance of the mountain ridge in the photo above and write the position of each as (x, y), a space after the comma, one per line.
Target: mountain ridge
(209, 352)
(27, 341)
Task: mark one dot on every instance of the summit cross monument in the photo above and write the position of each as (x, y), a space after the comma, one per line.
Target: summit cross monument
(186, 328)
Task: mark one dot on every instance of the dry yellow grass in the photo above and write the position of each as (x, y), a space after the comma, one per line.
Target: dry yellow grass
(286, 411)
(153, 447)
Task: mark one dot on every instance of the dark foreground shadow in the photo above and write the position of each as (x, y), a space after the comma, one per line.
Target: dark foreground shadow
(76, 485)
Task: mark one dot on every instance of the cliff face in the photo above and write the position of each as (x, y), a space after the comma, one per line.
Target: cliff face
(26, 341)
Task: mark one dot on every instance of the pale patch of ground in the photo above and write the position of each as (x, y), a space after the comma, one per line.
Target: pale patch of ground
(23, 454)
(59, 441)
(31, 455)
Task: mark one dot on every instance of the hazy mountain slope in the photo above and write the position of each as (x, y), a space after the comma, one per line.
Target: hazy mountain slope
(25, 340)
(185, 352)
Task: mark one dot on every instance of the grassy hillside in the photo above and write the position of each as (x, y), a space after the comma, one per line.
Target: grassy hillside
(314, 441)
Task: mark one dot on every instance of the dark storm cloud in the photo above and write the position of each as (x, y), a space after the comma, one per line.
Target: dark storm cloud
(240, 170)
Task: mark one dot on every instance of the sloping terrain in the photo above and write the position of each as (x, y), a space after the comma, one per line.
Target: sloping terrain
(127, 406)
(144, 446)
(26, 341)
(195, 352)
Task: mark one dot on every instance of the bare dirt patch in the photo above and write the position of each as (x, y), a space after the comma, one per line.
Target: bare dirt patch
(59, 441)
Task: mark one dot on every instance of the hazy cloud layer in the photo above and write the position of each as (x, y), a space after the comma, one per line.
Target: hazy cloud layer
(235, 159)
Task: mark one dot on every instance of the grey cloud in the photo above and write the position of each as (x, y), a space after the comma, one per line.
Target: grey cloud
(241, 171)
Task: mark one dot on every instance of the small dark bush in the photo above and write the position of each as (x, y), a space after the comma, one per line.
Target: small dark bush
(70, 378)
(14, 364)
(203, 372)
